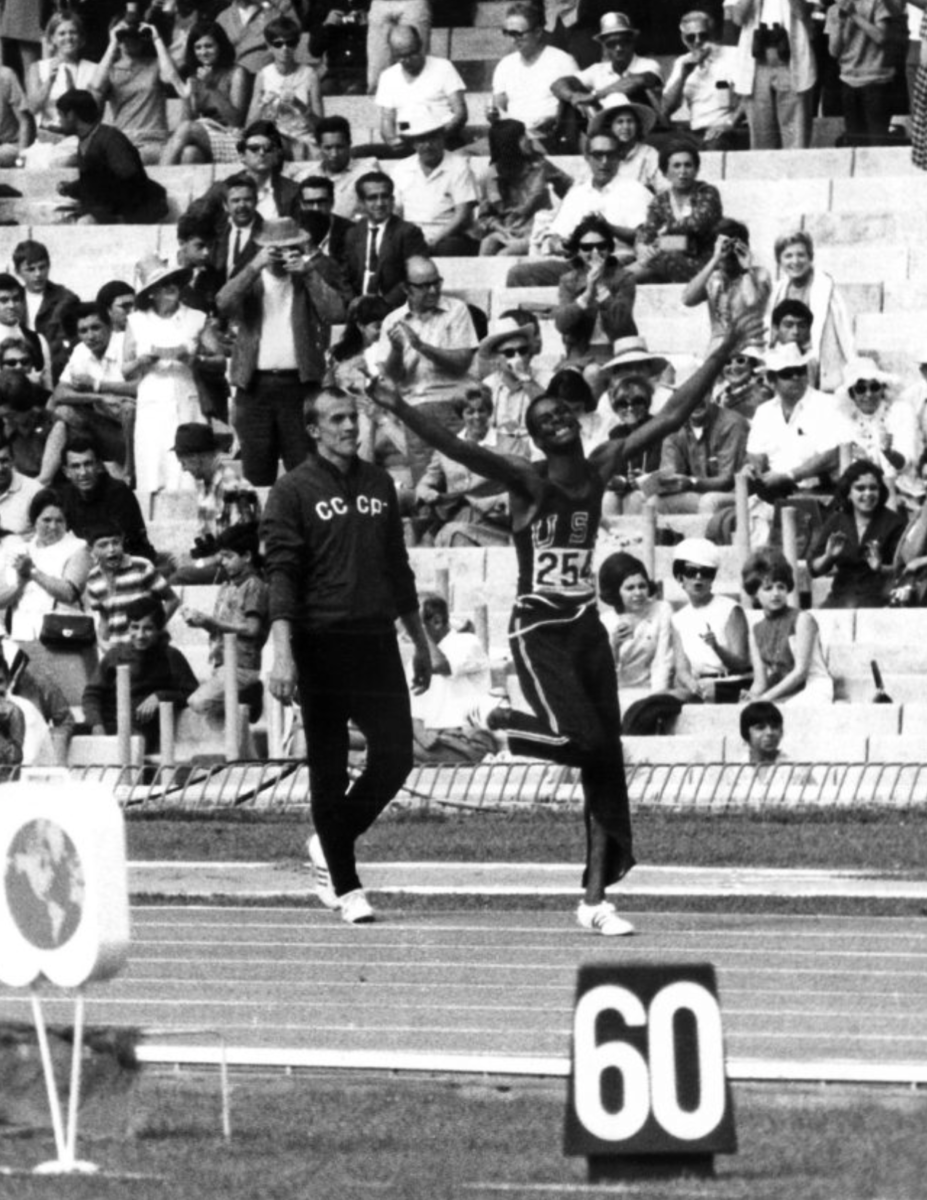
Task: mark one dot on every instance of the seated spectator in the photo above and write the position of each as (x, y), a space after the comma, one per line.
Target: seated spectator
(860, 37)
(522, 80)
(710, 638)
(93, 397)
(17, 492)
(261, 152)
(468, 510)
(158, 672)
(776, 73)
(857, 542)
(435, 188)
(596, 284)
(785, 645)
(111, 186)
(516, 187)
(134, 77)
(632, 124)
(163, 341)
(419, 80)
(26, 421)
(17, 127)
(317, 195)
(44, 571)
(630, 356)
(214, 100)
(47, 303)
(675, 240)
(761, 727)
(48, 78)
(13, 325)
(730, 282)
(384, 17)
(427, 347)
(743, 387)
(630, 399)
(639, 627)
(702, 79)
(347, 360)
(622, 75)
(333, 135)
(91, 495)
(832, 341)
(442, 716)
(511, 384)
(245, 22)
(699, 461)
(12, 724)
(622, 203)
(241, 608)
(118, 579)
(286, 92)
(879, 425)
(379, 243)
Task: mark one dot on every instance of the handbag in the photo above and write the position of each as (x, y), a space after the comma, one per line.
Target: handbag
(67, 631)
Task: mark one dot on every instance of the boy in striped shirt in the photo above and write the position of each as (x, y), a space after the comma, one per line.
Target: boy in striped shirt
(117, 580)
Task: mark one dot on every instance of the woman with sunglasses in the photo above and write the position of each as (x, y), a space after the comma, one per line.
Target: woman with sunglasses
(857, 543)
(879, 426)
(632, 124)
(596, 285)
(710, 636)
(676, 240)
(287, 92)
(832, 341)
(214, 101)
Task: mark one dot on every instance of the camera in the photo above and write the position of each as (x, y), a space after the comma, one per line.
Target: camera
(771, 37)
(204, 546)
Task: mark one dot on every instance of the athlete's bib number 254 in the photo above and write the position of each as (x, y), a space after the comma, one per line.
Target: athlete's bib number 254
(563, 571)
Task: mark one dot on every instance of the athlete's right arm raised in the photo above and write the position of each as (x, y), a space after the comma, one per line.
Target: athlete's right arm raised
(517, 474)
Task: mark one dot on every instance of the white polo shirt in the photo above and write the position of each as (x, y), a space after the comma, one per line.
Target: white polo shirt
(621, 202)
(813, 428)
(428, 200)
(709, 88)
(526, 87)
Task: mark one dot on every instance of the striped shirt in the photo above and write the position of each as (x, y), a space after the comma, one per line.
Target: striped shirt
(110, 595)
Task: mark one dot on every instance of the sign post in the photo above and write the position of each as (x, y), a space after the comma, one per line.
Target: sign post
(64, 914)
(649, 1095)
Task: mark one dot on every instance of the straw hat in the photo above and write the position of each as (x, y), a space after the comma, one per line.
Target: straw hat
(786, 357)
(633, 352)
(602, 121)
(285, 231)
(154, 272)
(505, 329)
(698, 551)
(612, 25)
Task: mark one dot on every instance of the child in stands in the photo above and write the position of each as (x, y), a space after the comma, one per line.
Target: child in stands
(117, 580)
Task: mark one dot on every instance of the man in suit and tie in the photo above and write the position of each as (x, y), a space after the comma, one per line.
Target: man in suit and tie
(235, 245)
(376, 248)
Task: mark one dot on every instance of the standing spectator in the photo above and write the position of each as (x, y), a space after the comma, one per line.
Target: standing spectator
(93, 397)
(245, 22)
(17, 126)
(13, 325)
(285, 303)
(163, 341)
(419, 80)
(134, 76)
(328, 522)
(65, 68)
(286, 92)
(91, 496)
(333, 135)
(214, 100)
(861, 36)
(378, 245)
(238, 226)
(703, 80)
(16, 492)
(522, 81)
(698, 462)
(435, 188)
(384, 16)
(776, 71)
(677, 236)
(730, 282)
(46, 303)
(112, 186)
(117, 580)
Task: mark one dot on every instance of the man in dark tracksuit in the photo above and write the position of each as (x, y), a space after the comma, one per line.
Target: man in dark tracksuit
(339, 576)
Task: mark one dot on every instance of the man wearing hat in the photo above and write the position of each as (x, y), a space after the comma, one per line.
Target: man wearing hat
(522, 81)
(621, 73)
(703, 80)
(630, 356)
(285, 301)
(417, 80)
(435, 188)
(512, 385)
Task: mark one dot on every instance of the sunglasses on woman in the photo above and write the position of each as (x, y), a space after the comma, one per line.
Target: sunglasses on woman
(867, 385)
(691, 571)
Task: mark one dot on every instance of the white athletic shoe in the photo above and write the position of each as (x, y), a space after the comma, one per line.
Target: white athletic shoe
(321, 879)
(355, 908)
(602, 918)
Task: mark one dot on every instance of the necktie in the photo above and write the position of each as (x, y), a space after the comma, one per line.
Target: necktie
(236, 249)
(372, 258)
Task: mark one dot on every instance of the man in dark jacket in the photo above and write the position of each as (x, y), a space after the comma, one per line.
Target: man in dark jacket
(339, 576)
(92, 495)
(376, 248)
(112, 186)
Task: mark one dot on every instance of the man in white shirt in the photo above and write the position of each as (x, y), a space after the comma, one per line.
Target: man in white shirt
(435, 188)
(419, 80)
(521, 83)
(622, 73)
(333, 135)
(702, 79)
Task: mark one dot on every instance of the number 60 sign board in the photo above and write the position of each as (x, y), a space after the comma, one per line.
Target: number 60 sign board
(648, 1073)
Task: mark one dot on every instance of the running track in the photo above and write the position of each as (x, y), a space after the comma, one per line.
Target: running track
(793, 989)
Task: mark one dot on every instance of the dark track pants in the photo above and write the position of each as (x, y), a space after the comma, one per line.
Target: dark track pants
(352, 677)
(567, 674)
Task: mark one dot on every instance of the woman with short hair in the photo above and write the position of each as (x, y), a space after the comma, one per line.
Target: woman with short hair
(676, 240)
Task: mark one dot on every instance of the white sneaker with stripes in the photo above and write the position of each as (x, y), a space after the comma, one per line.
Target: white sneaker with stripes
(602, 918)
(321, 879)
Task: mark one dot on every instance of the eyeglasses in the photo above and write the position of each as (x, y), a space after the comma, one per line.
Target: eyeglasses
(603, 153)
(292, 43)
(631, 402)
(792, 373)
(428, 283)
(691, 571)
(867, 385)
(515, 34)
(260, 147)
(588, 247)
(514, 352)
(14, 363)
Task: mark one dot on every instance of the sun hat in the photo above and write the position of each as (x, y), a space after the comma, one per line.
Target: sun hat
(633, 352)
(154, 272)
(284, 231)
(613, 24)
(698, 551)
(505, 329)
(786, 357)
(863, 368)
(602, 121)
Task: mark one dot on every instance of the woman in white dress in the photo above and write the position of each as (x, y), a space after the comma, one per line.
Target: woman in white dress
(163, 339)
(639, 628)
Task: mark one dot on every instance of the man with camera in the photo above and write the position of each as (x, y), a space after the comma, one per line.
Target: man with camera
(776, 71)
